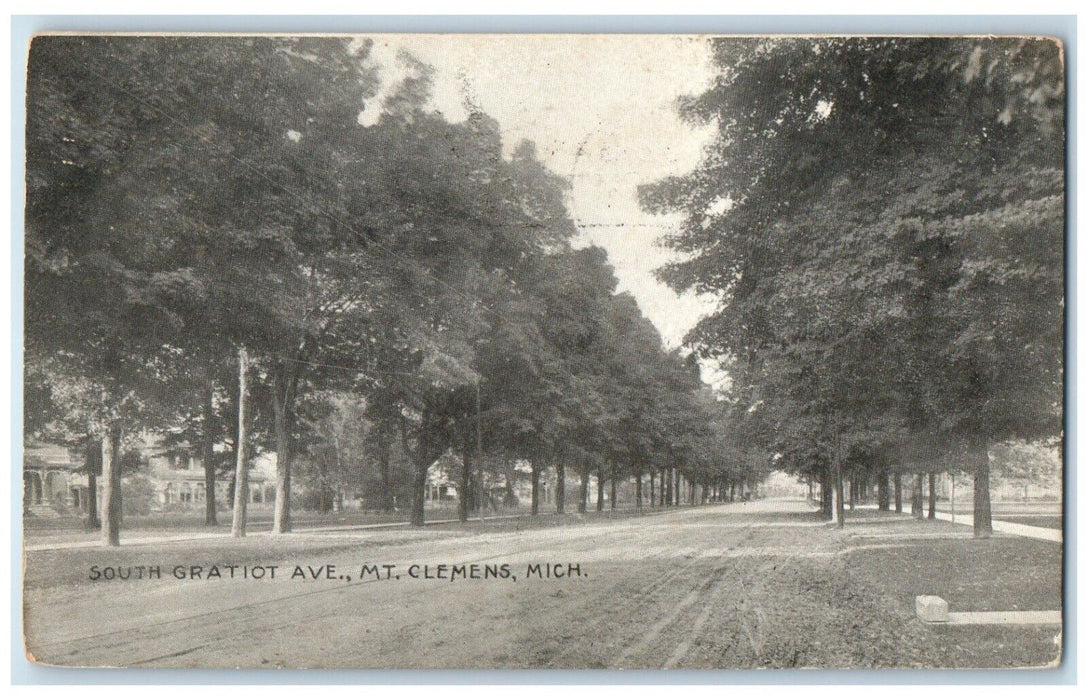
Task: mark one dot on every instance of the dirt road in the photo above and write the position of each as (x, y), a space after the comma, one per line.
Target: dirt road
(729, 586)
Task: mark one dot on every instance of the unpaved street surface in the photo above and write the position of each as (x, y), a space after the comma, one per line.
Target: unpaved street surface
(763, 584)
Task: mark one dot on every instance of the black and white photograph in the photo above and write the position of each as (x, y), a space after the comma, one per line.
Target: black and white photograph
(543, 351)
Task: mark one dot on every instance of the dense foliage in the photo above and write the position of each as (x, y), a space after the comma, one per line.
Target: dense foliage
(883, 223)
(403, 289)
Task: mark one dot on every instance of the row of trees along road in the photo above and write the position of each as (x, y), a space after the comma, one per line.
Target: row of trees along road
(883, 222)
(219, 248)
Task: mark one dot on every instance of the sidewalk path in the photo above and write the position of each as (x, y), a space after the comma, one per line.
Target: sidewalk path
(1047, 534)
(1036, 533)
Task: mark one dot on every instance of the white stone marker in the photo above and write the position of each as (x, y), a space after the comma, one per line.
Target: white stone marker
(931, 608)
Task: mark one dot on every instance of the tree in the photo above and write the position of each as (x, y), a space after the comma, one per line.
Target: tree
(1030, 463)
(862, 191)
(143, 199)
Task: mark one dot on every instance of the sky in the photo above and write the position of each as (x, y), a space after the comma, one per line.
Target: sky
(602, 112)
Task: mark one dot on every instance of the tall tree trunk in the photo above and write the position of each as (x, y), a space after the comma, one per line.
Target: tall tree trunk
(232, 436)
(666, 487)
(827, 501)
(111, 488)
(983, 520)
(324, 502)
(385, 499)
(240, 485)
(600, 488)
(612, 488)
(898, 492)
(560, 486)
(932, 496)
(638, 493)
(510, 475)
(583, 489)
(917, 497)
(535, 507)
(653, 501)
(281, 399)
(884, 491)
(419, 492)
(465, 501)
(92, 501)
(93, 466)
(208, 456)
(840, 511)
(853, 490)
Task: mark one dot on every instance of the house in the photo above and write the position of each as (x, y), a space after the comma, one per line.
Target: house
(55, 480)
(177, 475)
(52, 479)
(442, 478)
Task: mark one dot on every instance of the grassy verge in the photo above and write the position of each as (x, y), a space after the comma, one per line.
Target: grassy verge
(43, 528)
(1053, 522)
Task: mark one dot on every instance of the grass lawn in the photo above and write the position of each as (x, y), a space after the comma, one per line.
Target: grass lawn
(41, 529)
(1000, 573)
(67, 529)
(1053, 522)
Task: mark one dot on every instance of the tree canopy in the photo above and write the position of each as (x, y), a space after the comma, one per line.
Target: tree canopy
(882, 221)
(402, 276)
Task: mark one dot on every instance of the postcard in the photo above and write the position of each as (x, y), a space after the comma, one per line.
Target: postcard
(421, 351)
